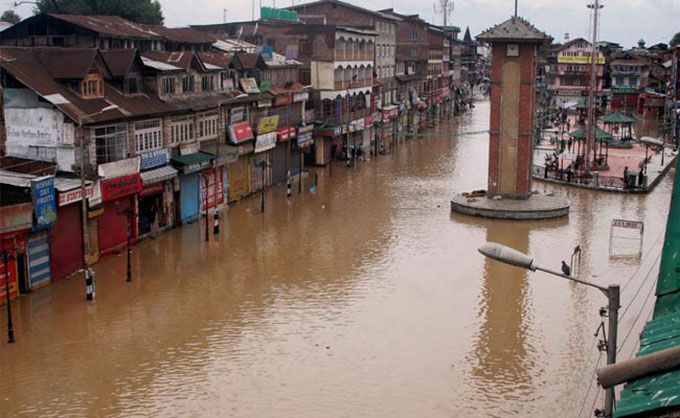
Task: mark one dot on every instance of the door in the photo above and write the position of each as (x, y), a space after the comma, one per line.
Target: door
(189, 197)
(39, 273)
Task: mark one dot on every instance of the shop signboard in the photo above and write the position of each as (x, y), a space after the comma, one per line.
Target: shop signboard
(300, 97)
(119, 168)
(265, 85)
(305, 135)
(239, 132)
(267, 124)
(209, 178)
(72, 196)
(118, 187)
(155, 158)
(151, 189)
(249, 85)
(283, 100)
(265, 142)
(284, 134)
(44, 202)
(563, 59)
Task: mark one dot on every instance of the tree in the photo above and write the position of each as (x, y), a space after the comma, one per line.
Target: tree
(10, 17)
(141, 11)
(675, 41)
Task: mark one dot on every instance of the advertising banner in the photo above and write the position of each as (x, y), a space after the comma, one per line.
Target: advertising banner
(154, 158)
(267, 124)
(239, 132)
(118, 187)
(265, 142)
(44, 202)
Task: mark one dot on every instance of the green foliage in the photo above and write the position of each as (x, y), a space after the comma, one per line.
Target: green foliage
(676, 40)
(141, 11)
(10, 17)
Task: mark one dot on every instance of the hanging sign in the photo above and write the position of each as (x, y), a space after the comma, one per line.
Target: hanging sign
(44, 202)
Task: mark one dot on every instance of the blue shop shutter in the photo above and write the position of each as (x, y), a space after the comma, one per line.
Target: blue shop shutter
(39, 271)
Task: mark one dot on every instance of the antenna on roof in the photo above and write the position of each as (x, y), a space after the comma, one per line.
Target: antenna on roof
(515, 8)
(445, 9)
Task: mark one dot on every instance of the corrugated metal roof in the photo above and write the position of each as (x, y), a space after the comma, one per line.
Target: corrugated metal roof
(660, 392)
(183, 35)
(114, 26)
(161, 66)
(119, 61)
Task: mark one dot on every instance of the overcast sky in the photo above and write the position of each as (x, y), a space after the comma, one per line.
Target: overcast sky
(623, 21)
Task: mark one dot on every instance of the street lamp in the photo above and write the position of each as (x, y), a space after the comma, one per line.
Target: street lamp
(513, 257)
(263, 166)
(89, 274)
(10, 325)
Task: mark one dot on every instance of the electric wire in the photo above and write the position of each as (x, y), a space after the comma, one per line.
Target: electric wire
(637, 317)
(592, 379)
(644, 281)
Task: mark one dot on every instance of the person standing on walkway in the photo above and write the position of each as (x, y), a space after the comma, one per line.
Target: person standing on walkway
(569, 144)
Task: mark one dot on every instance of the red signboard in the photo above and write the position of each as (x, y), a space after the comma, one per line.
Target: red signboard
(118, 187)
(240, 132)
(153, 188)
(284, 134)
(209, 175)
(283, 100)
(12, 245)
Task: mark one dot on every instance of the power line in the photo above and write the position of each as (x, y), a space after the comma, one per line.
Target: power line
(585, 399)
(641, 286)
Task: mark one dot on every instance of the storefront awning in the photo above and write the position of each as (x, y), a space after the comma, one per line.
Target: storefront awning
(158, 174)
(65, 184)
(192, 163)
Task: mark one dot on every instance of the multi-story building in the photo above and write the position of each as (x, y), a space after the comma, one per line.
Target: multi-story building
(103, 32)
(629, 75)
(569, 76)
(337, 62)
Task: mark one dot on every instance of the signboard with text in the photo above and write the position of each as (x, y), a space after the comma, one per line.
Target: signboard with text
(74, 195)
(118, 187)
(154, 158)
(119, 168)
(265, 142)
(209, 178)
(44, 202)
(564, 59)
(267, 124)
(239, 132)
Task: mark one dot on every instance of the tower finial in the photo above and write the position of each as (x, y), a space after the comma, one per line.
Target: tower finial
(515, 8)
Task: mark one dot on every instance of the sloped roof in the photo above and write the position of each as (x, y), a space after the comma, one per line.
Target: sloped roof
(617, 117)
(119, 61)
(182, 35)
(302, 6)
(66, 63)
(248, 61)
(513, 29)
(467, 38)
(180, 59)
(114, 26)
(600, 134)
(219, 59)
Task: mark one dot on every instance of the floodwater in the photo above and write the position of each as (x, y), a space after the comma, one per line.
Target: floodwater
(367, 298)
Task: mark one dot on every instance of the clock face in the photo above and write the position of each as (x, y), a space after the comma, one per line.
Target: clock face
(513, 50)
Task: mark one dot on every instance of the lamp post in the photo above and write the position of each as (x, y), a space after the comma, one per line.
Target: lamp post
(10, 324)
(129, 213)
(263, 167)
(513, 257)
(89, 275)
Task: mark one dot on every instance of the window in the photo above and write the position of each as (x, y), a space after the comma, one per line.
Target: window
(633, 81)
(92, 86)
(207, 126)
(207, 83)
(148, 135)
(131, 85)
(168, 85)
(188, 84)
(182, 130)
(414, 35)
(111, 142)
(304, 47)
(414, 52)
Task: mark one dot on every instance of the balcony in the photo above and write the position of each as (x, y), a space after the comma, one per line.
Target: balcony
(345, 85)
(341, 55)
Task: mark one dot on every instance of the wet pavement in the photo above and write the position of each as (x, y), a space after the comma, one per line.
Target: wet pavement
(367, 298)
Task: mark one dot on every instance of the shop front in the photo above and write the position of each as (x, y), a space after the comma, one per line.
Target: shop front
(155, 203)
(190, 166)
(65, 236)
(238, 169)
(121, 182)
(261, 164)
(15, 224)
(283, 160)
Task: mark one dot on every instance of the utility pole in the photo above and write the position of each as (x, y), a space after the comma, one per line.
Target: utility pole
(613, 294)
(591, 123)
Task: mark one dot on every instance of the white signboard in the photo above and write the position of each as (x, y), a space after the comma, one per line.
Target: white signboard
(265, 142)
(33, 127)
(74, 195)
(119, 168)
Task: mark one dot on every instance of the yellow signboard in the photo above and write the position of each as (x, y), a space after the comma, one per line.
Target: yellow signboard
(268, 124)
(563, 59)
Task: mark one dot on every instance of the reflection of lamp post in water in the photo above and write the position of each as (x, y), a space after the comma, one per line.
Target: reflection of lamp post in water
(89, 275)
(263, 166)
(129, 213)
(515, 258)
(10, 325)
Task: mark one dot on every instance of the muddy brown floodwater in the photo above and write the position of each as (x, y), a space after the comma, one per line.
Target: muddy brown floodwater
(367, 298)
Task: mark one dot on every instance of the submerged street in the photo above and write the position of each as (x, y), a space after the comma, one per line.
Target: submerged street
(366, 298)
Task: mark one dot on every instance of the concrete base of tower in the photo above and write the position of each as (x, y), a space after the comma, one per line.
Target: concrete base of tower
(537, 206)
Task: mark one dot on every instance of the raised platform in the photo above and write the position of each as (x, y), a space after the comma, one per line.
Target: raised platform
(538, 206)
